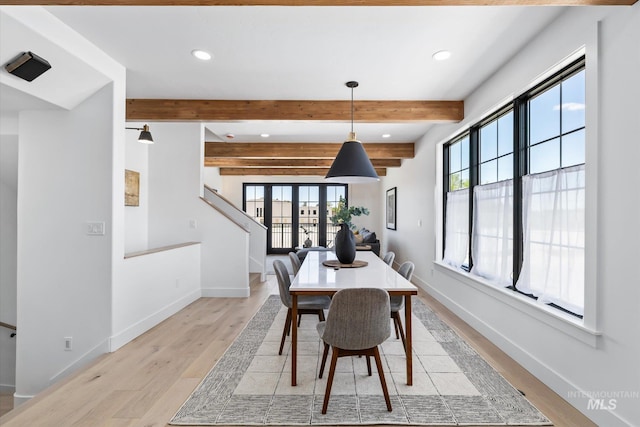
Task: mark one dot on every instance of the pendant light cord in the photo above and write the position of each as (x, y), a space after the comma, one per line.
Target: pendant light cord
(352, 110)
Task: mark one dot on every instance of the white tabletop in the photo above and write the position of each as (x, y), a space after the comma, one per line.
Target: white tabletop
(313, 276)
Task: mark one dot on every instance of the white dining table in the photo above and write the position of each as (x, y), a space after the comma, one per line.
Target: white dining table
(314, 278)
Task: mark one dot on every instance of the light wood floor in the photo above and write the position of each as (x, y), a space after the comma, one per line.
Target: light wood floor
(145, 382)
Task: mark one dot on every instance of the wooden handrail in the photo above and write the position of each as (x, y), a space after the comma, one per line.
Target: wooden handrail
(242, 226)
(159, 249)
(234, 206)
(8, 326)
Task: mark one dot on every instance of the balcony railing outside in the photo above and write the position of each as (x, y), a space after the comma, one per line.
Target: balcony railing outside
(282, 234)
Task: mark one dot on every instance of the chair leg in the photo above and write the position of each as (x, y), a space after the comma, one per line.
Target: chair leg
(321, 315)
(395, 324)
(332, 370)
(285, 331)
(376, 354)
(369, 365)
(398, 322)
(299, 319)
(324, 359)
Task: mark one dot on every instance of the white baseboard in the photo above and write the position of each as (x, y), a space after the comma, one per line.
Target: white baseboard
(545, 373)
(85, 359)
(7, 388)
(225, 292)
(19, 399)
(123, 337)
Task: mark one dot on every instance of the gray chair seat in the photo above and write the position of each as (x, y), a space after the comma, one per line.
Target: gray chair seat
(306, 304)
(295, 262)
(388, 258)
(397, 302)
(357, 323)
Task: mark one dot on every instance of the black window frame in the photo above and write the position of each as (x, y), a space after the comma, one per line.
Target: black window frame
(521, 147)
(323, 218)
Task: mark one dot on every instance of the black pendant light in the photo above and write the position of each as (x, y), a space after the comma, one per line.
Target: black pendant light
(352, 165)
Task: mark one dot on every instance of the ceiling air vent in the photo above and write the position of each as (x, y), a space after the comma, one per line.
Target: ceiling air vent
(28, 66)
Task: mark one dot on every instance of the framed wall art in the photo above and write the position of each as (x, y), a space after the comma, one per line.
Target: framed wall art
(391, 208)
(131, 188)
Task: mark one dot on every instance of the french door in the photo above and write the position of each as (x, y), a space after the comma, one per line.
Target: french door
(294, 213)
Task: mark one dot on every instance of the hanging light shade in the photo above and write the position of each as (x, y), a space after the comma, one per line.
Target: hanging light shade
(145, 135)
(352, 165)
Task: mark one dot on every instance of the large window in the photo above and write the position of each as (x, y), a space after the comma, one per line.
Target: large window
(514, 194)
(294, 213)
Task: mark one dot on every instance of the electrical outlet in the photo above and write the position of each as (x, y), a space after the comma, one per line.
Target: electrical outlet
(68, 343)
(95, 228)
(193, 223)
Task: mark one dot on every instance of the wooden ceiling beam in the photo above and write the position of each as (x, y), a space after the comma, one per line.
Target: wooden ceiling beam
(283, 171)
(340, 111)
(320, 150)
(319, 2)
(288, 163)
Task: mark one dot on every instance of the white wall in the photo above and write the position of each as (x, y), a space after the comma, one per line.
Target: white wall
(212, 178)
(156, 286)
(8, 259)
(64, 275)
(566, 357)
(176, 213)
(136, 230)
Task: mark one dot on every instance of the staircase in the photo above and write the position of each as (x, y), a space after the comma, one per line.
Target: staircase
(257, 232)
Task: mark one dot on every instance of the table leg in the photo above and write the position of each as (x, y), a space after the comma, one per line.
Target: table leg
(408, 337)
(294, 337)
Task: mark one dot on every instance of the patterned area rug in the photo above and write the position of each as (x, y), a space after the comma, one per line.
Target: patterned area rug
(453, 385)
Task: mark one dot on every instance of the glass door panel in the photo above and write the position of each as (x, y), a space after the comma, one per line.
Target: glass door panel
(254, 202)
(308, 214)
(281, 218)
(334, 194)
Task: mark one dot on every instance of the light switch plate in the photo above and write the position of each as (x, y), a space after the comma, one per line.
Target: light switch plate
(95, 228)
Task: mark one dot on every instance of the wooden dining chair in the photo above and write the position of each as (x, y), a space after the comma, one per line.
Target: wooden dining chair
(306, 304)
(397, 301)
(295, 262)
(357, 323)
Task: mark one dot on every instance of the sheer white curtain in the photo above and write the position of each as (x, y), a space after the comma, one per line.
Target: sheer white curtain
(553, 219)
(456, 242)
(492, 238)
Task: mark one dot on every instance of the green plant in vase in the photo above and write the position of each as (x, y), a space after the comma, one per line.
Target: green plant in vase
(343, 213)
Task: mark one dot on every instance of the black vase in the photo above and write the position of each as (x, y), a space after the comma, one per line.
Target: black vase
(345, 245)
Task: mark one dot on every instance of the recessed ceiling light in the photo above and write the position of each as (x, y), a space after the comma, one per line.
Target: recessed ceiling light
(264, 135)
(201, 54)
(441, 55)
(386, 135)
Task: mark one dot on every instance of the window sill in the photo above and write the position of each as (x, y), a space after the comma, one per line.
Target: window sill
(553, 317)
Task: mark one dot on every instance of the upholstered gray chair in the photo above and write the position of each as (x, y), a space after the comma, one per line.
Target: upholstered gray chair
(397, 301)
(306, 304)
(388, 258)
(357, 323)
(295, 262)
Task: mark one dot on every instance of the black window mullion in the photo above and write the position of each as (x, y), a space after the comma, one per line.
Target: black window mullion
(268, 214)
(474, 175)
(295, 215)
(447, 184)
(322, 215)
(520, 168)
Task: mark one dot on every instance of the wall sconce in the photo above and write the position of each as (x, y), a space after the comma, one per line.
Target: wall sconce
(145, 135)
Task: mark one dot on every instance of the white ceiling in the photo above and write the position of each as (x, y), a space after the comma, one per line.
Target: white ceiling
(306, 53)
